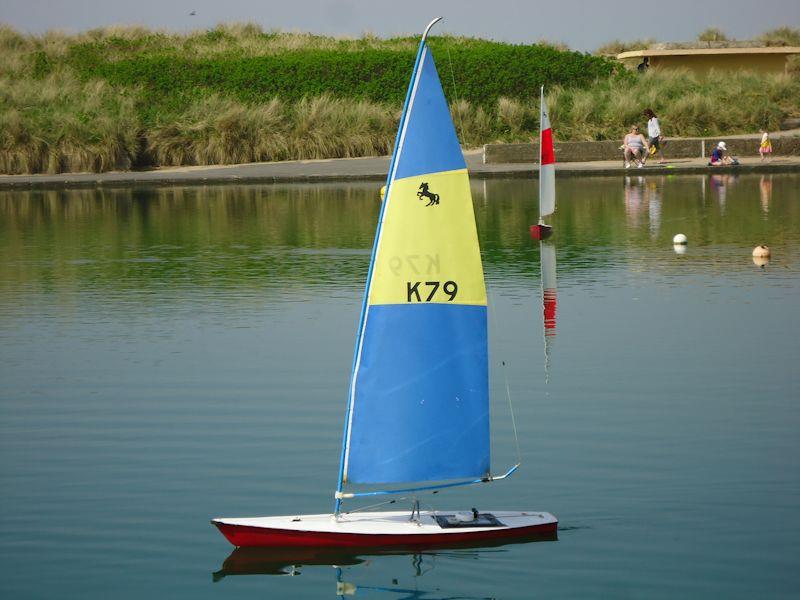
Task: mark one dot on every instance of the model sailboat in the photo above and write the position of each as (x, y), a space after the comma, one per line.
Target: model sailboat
(417, 413)
(547, 173)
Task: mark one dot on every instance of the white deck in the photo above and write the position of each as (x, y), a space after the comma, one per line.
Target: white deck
(394, 523)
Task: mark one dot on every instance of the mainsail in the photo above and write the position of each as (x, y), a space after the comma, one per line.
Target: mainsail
(418, 407)
(547, 163)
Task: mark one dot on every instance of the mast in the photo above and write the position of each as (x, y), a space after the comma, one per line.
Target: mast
(361, 323)
(541, 148)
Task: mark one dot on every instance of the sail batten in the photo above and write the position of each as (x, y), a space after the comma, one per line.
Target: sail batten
(418, 408)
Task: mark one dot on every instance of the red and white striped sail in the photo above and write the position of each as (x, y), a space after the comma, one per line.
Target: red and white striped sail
(547, 164)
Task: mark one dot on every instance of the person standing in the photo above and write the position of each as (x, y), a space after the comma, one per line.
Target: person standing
(654, 133)
(765, 149)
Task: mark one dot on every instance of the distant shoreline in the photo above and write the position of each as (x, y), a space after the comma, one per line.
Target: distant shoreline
(370, 169)
(122, 98)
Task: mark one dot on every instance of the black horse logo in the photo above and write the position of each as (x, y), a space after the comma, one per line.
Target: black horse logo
(424, 192)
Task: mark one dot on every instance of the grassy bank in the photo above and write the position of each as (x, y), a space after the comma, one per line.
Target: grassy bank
(119, 98)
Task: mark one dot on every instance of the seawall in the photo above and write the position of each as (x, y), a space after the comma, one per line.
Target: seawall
(783, 144)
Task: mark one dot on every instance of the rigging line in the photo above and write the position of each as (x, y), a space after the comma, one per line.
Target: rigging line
(392, 501)
(513, 419)
(508, 388)
(395, 500)
(429, 505)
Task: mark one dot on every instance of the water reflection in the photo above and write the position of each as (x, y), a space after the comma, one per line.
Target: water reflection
(345, 588)
(761, 261)
(653, 196)
(720, 183)
(255, 236)
(765, 193)
(156, 391)
(633, 200)
(547, 252)
(282, 561)
(348, 565)
(642, 197)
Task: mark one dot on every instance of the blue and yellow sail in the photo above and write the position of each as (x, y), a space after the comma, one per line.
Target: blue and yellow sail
(418, 407)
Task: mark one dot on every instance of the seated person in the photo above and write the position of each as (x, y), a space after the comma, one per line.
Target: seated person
(720, 156)
(635, 147)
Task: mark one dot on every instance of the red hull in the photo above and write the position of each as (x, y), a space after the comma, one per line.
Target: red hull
(245, 536)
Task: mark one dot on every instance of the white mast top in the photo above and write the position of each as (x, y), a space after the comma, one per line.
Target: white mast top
(428, 28)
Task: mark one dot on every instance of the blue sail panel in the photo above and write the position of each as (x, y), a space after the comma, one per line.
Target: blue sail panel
(429, 143)
(420, 410)
(418, 407)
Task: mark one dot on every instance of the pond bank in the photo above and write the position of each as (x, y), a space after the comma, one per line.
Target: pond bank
(784, 143)
(369, 169)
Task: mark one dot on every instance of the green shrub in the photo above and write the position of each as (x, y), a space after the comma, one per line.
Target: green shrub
(42, 66)
(482, 74)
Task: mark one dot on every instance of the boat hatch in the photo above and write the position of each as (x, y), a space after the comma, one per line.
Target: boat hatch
(455, 522)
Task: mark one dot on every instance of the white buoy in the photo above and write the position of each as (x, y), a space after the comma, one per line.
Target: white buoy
(679, 248)
(761, 251)
(760, 261)
(679, 239)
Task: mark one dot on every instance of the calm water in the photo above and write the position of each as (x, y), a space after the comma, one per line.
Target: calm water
(172, 355)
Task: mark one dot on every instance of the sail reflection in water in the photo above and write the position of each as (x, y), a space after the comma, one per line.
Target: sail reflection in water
(547, 252)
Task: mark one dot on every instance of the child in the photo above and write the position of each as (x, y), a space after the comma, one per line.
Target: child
(766, 145)
(720, 156)
(654, 134)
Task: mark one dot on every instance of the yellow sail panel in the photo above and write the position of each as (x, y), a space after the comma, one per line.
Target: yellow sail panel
(428, 250)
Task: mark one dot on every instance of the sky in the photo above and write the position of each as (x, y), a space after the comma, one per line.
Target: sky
(582, 24)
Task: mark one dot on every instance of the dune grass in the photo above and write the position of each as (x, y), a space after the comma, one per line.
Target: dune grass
(782, 36)
(73, 102)
(722, 103)
(60, 124)
(218, 130)
(712, 34)
(618, 46)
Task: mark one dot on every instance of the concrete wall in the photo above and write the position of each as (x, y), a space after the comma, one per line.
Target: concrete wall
(609, 150)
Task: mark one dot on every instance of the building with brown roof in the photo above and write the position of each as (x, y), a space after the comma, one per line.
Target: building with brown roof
(772, 59)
